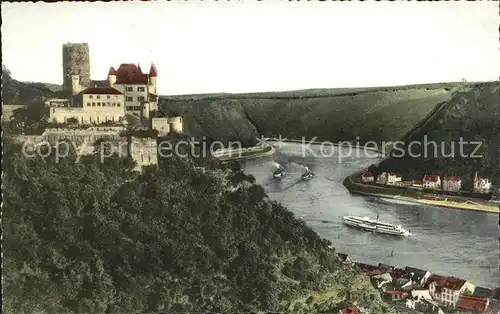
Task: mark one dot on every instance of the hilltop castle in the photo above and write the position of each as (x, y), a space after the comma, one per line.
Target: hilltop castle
(128, 91)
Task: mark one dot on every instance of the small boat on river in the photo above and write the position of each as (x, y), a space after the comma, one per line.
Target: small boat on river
(307, 175)
(279, 173)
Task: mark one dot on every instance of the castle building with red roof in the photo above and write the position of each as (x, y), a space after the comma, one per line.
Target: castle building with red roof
(140, 89)
(127, 88)
(127, 91)
(93, 105)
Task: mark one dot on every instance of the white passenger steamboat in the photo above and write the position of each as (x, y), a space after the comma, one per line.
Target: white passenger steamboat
(374, 225)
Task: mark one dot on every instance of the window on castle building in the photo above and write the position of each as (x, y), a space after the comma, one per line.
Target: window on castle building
(98, 97)
(98, 104)
(140, 98)
(90, 96)
(141, 89)
(129, 98)
(109, 97)
(93, 104)
(130, 89)
(88, 104)
(118, 104)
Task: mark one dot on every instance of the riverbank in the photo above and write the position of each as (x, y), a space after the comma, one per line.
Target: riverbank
(329, 143)
(419, 197)
(244, 153)
(448, 204)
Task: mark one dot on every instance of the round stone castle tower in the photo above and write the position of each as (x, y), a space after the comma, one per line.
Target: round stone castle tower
(76, 61)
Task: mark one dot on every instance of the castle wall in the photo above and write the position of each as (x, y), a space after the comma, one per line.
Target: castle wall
(144, 151)
(84, 139)
(161, 125)
(58, 102)
(86, 115)
(176, 124)
(87, 135)
(76, 60)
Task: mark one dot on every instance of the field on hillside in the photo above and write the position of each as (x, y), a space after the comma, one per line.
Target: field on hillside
(363, 114)
(314, 92)
(371, 116)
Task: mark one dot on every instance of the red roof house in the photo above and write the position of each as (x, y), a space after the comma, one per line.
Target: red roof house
(452, 183)
(399, 273)
(453, 283)
(431, 181)
(450, 283)
(350, 310)
(431, 178)
(367, 177)
(395, 295)
(473, 304)
(373, 272)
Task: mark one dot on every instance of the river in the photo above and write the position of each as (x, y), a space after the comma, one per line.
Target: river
(443, 241)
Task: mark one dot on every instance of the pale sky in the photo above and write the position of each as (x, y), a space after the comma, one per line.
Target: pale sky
(211, 47)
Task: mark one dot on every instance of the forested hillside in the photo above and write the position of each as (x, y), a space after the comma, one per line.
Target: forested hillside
(86, 237)
(472, 116)
(20, 93)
